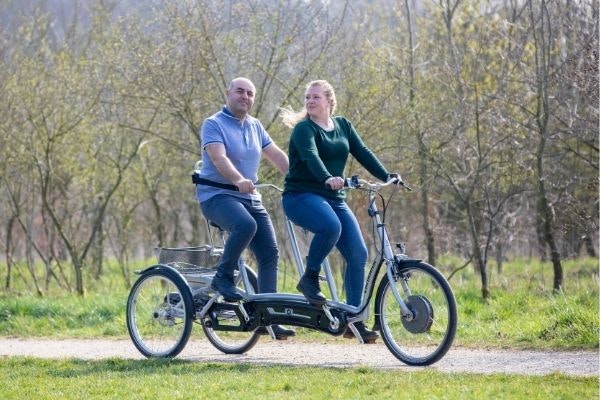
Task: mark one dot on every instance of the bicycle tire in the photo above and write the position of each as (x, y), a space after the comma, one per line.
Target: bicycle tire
(428, 337)
(159, 312)
(231, 342)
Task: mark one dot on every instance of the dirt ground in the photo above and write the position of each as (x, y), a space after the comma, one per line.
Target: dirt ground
(291, 352)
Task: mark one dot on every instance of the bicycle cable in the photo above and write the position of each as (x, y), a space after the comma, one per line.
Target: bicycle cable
(373, 224)
(384, 206)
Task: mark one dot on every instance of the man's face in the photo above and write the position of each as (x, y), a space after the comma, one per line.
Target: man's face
(240, 97)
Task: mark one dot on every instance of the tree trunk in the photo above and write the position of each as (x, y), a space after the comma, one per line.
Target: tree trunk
(428, 232)
(542, 39)
(480, 261)
(429, 238)
(539, 235)
(98, 252)
(78, 268)
(548, 228)
(589, 246)
(8, 247)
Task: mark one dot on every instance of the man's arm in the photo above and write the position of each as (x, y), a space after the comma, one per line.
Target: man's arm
(277, 157)
(217, 154)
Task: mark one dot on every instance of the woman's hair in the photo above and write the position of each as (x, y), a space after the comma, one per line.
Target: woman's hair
(290, 117)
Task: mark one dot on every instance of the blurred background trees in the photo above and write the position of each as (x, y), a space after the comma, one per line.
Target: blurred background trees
(488, 108)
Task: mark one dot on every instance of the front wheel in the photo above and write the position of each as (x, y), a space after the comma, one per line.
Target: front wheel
(424, 337)
(159, 313)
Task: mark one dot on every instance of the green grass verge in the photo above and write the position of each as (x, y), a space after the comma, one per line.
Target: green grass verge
(22, 378)
(522, 312)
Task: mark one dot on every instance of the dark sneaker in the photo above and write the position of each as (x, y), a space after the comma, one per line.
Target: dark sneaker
(309, 287)
(280, 332)
(224, 285)
(368, 336)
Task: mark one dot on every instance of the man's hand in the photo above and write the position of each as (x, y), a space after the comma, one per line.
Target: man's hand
(245, 185)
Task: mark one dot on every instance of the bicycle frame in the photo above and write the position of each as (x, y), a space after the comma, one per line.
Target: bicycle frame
(385, 254)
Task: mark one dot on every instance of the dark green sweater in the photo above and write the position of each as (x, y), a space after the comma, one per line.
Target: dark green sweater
(316, 155)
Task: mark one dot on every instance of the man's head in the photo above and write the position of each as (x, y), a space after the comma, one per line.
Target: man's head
(240, 97)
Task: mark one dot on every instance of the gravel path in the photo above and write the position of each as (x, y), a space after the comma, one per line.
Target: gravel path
(290, 352)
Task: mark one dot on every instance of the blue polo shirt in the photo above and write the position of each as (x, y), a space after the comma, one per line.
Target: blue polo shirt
(243, 141)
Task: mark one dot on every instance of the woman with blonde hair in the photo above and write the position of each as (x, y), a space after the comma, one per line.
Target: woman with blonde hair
(319, 147)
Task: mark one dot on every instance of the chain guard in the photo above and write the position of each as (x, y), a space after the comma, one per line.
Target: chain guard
(299, 314)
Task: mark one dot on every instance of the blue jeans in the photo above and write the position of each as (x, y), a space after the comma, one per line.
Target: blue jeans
(333, 224)
(248, 225)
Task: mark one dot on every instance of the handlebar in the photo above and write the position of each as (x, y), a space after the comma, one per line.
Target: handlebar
(349, 183)
(196, 179)
(267, 185)
(357, 183)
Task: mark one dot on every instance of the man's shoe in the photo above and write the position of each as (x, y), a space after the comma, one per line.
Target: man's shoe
(280, 332)
(368, 336)
(224, 285)
(309, 287)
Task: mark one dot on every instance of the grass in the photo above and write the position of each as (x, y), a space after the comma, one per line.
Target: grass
(522, 312)
(175, 379)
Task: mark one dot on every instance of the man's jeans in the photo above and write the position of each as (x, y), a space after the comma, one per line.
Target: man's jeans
(333, 224)
(248, 225)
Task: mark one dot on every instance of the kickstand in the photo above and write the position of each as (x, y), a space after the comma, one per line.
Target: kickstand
(357, 335)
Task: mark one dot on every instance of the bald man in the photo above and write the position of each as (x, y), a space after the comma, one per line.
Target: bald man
(233, 143)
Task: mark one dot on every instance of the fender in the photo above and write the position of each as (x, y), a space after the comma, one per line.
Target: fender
(403, 261)
(158, 266)
(176, 276)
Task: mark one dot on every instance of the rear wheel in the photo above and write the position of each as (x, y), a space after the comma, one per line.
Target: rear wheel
(425, 337)
(223, 326)
(159, 313)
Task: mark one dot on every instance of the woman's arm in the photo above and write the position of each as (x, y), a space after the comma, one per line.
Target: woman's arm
(364, 155)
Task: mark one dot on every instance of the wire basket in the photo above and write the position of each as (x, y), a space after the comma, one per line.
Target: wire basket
(189, 260)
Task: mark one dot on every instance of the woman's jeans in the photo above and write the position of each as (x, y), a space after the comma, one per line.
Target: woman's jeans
(333, 224)
(248, 225)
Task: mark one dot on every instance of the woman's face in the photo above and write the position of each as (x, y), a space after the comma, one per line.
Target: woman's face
(317, 104)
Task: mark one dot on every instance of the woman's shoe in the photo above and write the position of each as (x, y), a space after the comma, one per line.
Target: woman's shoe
(368, 336)
(309, 287)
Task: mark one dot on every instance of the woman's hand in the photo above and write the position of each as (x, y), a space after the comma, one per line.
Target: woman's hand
(335, 183)
(394, 175)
